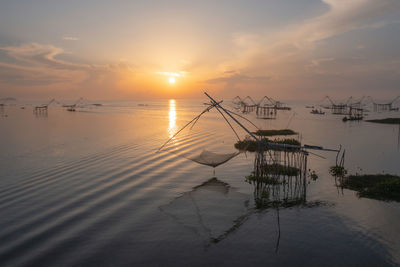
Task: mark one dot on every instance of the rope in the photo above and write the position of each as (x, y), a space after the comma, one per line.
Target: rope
(229, 111)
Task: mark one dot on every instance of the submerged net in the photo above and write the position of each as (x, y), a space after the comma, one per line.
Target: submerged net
(211, 210)
(213, 159)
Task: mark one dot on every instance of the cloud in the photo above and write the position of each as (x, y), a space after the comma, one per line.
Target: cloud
(287, 60)
(70, 38)
(40, 65)
(236, 81)
(26, 77)
(39, 55)
(343, 16)
(286, 54)
(237, 78)
(320, 60)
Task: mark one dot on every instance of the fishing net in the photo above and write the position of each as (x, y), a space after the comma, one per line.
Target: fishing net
(207, 152)
(211, 210)
(213, 159)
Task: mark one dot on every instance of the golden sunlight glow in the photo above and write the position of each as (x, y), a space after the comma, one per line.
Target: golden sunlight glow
(172, 77)
(171, 80)
(172, 118)
(171, 74)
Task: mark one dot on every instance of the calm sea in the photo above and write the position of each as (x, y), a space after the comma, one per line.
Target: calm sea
(88, 188)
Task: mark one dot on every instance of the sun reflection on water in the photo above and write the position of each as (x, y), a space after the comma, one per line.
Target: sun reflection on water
(172, 118)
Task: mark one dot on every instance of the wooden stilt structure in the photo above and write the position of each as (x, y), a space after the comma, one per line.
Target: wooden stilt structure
(388, 106)
(266, 112)
(43, 108)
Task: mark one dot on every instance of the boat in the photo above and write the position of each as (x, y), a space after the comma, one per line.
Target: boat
(352, 118)
(316, 111)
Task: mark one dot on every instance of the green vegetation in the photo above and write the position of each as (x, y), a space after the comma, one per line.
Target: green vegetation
(338, 171)
(277, 169)
(275, 132)
(313, 175)
(274, 170)
(287, 141)
(378, 186)
(251, 145)
(246, 144)
(387, 121)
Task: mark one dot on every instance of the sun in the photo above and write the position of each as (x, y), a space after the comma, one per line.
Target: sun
(171, 80)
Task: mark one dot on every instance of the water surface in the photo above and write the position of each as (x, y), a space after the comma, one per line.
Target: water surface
(88, 188)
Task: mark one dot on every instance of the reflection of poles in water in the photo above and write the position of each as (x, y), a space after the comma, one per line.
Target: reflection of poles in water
(280, 177)
(279, 230)
(280, 180)
(338, 184)
(338, 171)
(41, 113)
(398, 139)
(304, 176)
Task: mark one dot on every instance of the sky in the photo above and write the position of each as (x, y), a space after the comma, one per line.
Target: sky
(298, 49)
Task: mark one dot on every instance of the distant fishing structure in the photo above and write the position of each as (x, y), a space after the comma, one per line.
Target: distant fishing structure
(353, 110)
(388, 106)
(73, 106)
(342, 108)
(338, 108)
(5, 100)
(44, 107)
(265, 108)
(354, 114)
(80, 103)
(2, 111)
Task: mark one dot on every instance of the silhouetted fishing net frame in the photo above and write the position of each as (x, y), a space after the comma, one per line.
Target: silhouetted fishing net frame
(264, 154)
(210, 107)
(207, 157)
